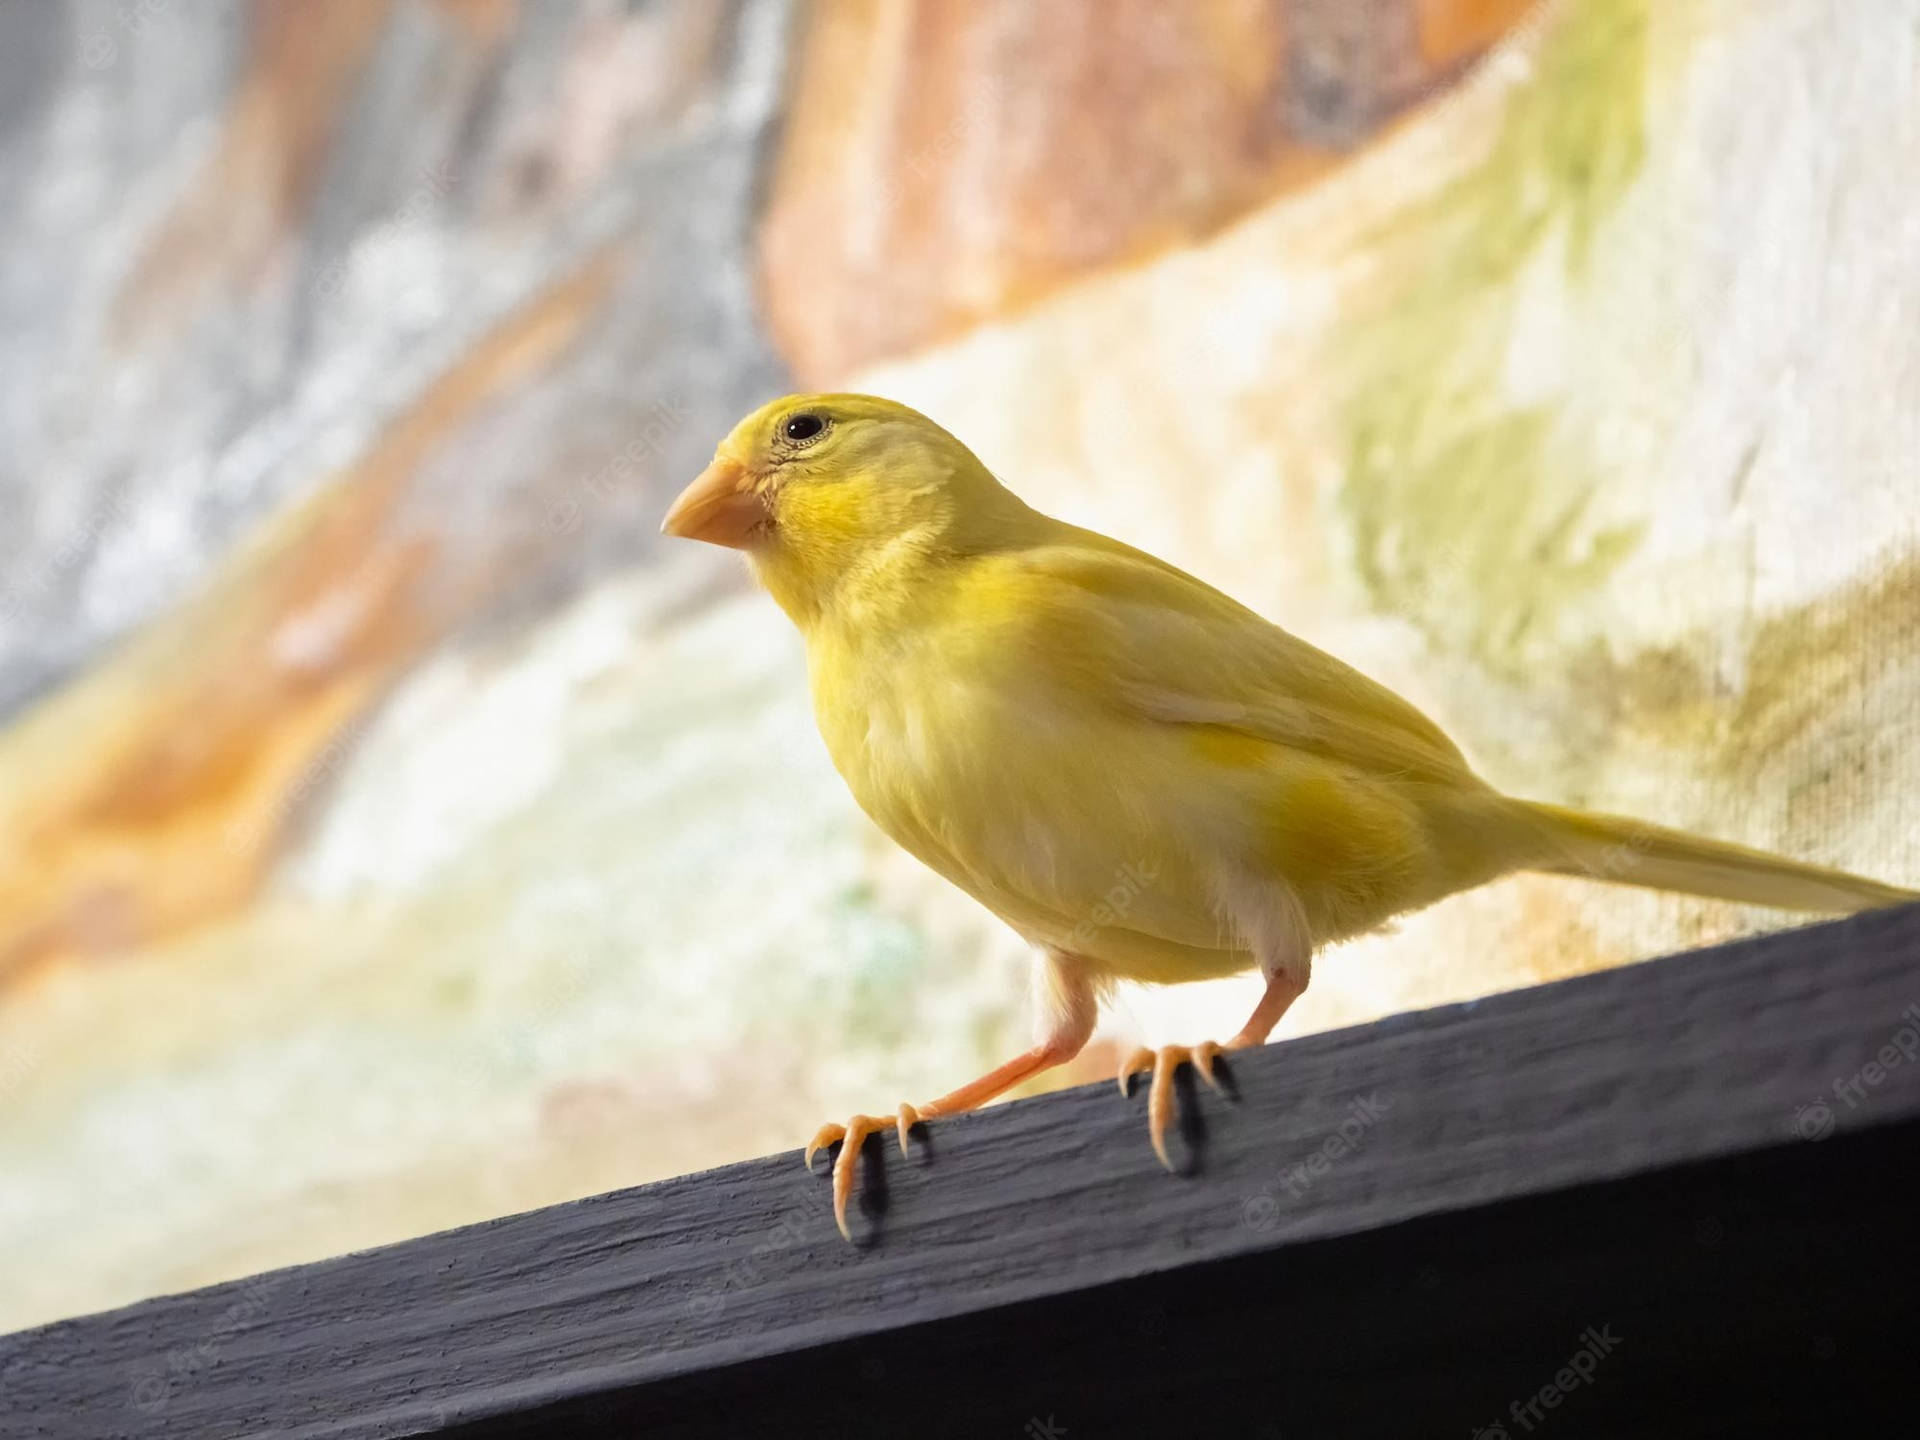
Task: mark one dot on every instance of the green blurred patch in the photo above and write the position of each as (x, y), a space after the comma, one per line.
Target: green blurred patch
(1796, 719)
(1469, 516)
(886, 962)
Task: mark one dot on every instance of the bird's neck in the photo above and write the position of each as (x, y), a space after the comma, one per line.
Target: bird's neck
(833, 584)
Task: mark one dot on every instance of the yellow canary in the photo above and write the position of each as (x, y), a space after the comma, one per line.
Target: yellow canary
(1047, 717)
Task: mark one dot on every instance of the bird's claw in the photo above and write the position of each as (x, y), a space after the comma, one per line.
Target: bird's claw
(850, 1137)
(1165, 1062)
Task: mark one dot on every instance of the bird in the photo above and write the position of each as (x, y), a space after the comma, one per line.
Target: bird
(1144, 778)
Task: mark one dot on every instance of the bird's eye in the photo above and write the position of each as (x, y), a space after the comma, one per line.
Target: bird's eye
(803, 427)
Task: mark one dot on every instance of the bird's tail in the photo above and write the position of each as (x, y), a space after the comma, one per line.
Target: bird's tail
(1633, 852)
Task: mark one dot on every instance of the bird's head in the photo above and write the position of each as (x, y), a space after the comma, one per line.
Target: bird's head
(823, 490)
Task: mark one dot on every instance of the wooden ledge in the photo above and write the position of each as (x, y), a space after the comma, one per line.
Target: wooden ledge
(1672, 1198)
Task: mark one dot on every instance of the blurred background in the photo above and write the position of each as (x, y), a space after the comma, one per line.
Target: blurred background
(395, 832)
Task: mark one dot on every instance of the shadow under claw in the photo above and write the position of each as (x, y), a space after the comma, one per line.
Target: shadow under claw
(1189, 1123)
(871, 1199)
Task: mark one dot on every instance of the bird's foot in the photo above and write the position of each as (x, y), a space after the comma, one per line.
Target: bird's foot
(1165, 1063)
(850, 1137)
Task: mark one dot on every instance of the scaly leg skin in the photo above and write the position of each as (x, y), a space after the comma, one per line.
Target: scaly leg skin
(1068, 1007)
(1282, 990)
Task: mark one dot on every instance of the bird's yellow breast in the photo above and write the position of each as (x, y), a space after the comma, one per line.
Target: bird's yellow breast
(1081, 830)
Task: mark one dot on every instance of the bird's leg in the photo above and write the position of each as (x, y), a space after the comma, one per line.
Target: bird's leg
(1067, 1009)
(1283, 988)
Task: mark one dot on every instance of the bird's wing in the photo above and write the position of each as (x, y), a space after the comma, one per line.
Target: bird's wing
(1158, 644)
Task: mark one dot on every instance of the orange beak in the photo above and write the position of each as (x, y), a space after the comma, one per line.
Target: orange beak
(720, 507)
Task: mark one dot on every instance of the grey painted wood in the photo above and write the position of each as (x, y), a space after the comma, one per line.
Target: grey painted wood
(1773, 1044)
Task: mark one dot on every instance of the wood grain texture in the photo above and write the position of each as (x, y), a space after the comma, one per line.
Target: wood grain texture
(1602, 1088)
